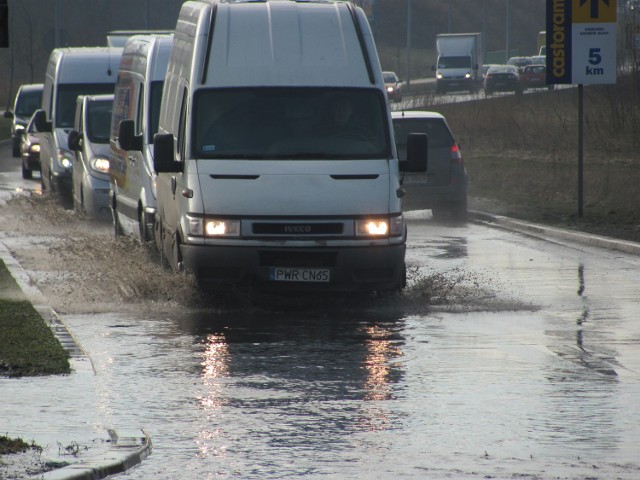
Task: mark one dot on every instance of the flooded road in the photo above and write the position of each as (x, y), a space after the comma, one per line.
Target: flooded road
(506, 357)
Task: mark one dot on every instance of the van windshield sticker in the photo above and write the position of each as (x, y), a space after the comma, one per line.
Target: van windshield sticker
(208, 148)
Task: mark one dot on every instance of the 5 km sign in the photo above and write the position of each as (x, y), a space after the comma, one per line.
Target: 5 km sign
(581, 41)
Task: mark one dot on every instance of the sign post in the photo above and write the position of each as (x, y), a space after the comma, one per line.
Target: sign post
(581, 49)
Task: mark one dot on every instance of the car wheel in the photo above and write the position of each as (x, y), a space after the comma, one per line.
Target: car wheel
(459, 211)
(439, 213)
(26, 173)
(15, 150)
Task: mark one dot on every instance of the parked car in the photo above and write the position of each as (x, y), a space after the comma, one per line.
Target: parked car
(90, 141)
(533, 76)
(443, 188)
(30, 150)
(520, 62)
(27, 101)
(501, 78)
(393, 86)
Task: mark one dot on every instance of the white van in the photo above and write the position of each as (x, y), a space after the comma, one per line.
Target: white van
(275, 154)
(134, 123)
(70, 72)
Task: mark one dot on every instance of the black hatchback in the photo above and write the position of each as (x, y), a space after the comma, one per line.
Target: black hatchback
(443, 188)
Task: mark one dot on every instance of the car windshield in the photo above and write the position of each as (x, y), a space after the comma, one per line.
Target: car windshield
(66, 101)
(438, 133)
(99, 121)
(454, 62)
(389, 77)
(154, 109)
(28, 102)
(290, 123)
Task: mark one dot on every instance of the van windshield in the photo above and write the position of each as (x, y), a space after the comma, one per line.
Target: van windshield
(99, 121)
(454, 62)
(290, 123)
(66, 101)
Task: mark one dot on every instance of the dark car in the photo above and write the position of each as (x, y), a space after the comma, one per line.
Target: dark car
(534, 76)
(26, 102)
(30, 150)
(443, 188)
(501, 78)
(393, 86)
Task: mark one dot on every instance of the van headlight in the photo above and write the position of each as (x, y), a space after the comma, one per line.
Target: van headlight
(380, 227)
(467, 75)
(213, 227)
(65, 158)
(100, 164)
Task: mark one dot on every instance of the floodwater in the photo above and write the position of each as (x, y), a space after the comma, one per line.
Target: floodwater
(506, 357)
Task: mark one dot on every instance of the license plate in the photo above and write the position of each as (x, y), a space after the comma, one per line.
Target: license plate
(289, 274)
(416, 179)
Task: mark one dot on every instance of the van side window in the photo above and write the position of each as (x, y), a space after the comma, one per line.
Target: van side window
(139, 113)
(182, 128)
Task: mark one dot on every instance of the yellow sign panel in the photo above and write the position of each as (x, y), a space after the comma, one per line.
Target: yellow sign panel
(593, 11)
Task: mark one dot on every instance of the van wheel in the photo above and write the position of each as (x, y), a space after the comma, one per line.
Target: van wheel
(117, 228)
(176, 255)
(164, 261)
(142, 226)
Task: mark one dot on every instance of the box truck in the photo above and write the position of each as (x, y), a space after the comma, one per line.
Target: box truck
(459, 62)
(275, 156)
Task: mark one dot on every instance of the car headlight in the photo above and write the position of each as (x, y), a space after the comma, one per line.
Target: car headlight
(213, 227)
(390, 89)
(439, 76)
(65, 158)
(100, 164)
(467, 75)
(380, 227)
(35, 148)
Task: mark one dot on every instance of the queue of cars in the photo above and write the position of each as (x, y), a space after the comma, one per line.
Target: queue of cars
(517, 75)
(228, 187)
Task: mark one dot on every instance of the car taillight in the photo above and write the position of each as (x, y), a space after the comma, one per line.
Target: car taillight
(456, 156)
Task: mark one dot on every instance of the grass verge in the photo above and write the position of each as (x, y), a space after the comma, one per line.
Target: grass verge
(28, 347)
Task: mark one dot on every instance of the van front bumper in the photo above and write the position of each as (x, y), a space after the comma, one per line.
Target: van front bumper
(365, 268)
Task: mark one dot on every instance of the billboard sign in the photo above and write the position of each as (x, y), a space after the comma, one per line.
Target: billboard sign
(581, 41)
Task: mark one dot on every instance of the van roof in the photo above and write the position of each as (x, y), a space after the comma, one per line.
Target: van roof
(288, 43)
(87, 64)
(148, 53)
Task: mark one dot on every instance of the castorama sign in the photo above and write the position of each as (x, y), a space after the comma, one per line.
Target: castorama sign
(581, 41)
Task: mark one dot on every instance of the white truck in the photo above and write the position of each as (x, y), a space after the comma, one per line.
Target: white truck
(459, 62)
(275, 156)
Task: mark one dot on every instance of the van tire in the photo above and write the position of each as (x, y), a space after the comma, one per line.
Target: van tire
(176, 255)
(117, 228)
(145, 235)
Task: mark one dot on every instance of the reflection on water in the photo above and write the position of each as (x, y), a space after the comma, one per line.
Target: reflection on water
(305, 382)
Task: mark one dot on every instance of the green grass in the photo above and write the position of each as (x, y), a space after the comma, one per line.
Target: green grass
(28, 347)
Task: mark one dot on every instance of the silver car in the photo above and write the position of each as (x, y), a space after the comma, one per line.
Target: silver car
(443, 188)
(90, 142)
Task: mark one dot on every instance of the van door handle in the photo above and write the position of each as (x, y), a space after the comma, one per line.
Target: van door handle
(174, 185)
(132, 159)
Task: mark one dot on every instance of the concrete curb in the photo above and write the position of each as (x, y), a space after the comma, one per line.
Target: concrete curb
(125, 452)
(545, 232)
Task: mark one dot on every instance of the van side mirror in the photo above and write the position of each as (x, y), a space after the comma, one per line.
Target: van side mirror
(417, 153)
(74, 140)
(163, 161)
(8, 114)
(127, 137)
(40, 121)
